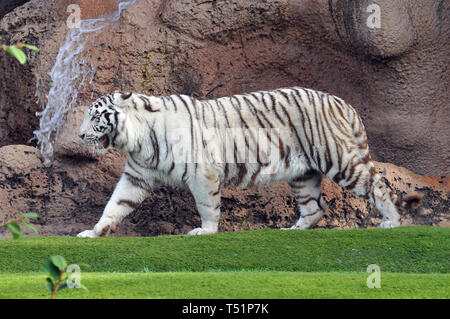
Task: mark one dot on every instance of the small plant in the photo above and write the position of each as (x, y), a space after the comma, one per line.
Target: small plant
(14, 225)
(17, 52)
(57, 279)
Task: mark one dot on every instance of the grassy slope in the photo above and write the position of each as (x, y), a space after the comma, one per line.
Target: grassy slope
(409, 250)
(278, 264)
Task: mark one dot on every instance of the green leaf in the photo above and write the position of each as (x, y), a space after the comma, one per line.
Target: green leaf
(17, 53)
(26, 224)
(59, 262)
(49, 285)
(14, 225)
(31, 47)
(30, 215)
(15, 229)
(51, 270)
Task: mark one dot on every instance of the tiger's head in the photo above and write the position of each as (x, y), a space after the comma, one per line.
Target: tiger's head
(102, 119)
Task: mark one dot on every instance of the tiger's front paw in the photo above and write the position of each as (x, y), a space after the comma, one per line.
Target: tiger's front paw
(88, 234)
(202, 231)
(105, 227)
(296, 227)
(100, 230)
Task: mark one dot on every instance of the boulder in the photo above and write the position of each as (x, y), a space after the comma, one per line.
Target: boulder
(377, 29)
(68, 143)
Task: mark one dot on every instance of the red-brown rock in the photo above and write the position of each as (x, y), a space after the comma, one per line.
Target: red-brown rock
(396, 76)
(70, 196)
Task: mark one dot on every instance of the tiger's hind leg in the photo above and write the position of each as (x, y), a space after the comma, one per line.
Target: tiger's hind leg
(384, 200)
(307, 191)
(367, 183)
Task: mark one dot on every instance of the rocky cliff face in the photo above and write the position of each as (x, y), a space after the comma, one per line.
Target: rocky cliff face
(396, 76)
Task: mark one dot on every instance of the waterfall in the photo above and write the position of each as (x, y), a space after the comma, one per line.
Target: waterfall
(69, 75)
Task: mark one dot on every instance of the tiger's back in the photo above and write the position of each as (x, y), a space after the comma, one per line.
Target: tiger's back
(303, 129)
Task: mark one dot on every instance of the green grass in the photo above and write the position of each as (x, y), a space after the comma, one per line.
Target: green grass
(409, 250)
(414, 263)
(230, 285)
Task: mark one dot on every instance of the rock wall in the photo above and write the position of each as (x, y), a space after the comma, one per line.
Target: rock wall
(396, 76)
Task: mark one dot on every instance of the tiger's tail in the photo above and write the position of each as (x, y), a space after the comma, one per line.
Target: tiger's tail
(410, 201)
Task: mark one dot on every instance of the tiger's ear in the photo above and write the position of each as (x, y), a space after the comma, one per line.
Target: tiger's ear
(126, 96)
(123, 95)
(122, 100)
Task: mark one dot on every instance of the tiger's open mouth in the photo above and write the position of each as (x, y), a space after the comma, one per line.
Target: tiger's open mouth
(103, 141)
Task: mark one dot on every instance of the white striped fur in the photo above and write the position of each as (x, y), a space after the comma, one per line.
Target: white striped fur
(204, 145)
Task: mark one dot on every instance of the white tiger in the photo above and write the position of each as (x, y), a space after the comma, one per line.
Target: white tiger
(293, 134)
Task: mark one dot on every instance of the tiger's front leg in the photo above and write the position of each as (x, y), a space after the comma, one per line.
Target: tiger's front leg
(206, 192)
(127, 196)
